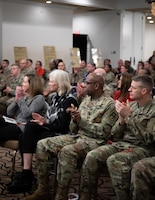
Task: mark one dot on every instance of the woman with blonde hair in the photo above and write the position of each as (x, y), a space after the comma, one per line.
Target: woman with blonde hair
(56, 122)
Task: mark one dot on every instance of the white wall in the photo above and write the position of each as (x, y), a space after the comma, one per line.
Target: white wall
(132, 37)
(103, 29)
(149, 40)
(35, 26)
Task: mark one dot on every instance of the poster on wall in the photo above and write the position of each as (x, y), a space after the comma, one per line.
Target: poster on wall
(97, 57)
(75, 57)
(49, 54)
(75, 52)
(20, 53)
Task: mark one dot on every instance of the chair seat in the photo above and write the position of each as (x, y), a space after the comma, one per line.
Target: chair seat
(10, 144)
(13, 145)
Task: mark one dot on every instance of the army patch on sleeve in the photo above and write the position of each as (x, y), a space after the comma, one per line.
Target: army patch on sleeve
(113, 115)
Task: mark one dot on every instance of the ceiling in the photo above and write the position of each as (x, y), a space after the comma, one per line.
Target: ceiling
(98, 5)
(81, 6)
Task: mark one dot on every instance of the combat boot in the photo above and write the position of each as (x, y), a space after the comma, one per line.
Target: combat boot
(43, 191)
(62, 192)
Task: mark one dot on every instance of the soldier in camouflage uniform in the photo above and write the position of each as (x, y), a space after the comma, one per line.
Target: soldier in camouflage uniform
(135, 131)
(80, 89)
(142, 179)
(25, 68)
(2, 83)
(108, 90)
(83, 69)
(93, 122)
(5, 67)
(15, 79)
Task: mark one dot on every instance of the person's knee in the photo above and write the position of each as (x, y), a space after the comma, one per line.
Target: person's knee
(90, 159)
(40, 150)
(139, 168)
(67, 150)
(110, 160)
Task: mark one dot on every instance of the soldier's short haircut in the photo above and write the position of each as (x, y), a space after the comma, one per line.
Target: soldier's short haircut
(145, 80)
(30, 60)
(15, 64)
(7, 61)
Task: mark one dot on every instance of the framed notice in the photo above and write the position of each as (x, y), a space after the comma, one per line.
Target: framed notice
(97, 57)
(75, 57)
(75, 61)
(20, 53)
(75, 52)
(49, 54)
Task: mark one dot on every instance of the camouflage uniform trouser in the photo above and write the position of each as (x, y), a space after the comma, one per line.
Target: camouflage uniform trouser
(120, 157)
(143, 179)
(69, 150)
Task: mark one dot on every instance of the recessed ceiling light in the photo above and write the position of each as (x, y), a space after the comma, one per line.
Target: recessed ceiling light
(48, 2)
(149, 17)
(151, 21)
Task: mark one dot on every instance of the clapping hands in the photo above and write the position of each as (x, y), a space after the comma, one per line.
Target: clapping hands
(38, 119)
(19, 93)
(123, 110)
(75, 114)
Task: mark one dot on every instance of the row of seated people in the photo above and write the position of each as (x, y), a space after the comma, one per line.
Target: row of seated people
(9, 79)
(95, 120)
(132, 128)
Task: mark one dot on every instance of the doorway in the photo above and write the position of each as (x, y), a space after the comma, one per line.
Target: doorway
(80, 41)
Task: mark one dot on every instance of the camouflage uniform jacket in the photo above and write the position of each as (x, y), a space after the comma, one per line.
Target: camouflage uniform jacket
(27, 71)
(82, 72)
(6, 72)
(13, 82)
(2, 82)
(139, 128)
(108, 91)
(97, 118)
(110, 77)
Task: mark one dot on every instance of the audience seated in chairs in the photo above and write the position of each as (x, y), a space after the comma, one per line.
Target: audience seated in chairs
(91, 125)
(79, 90)
(55, 122)
(8, 93)
(28, 99)
(133, 135)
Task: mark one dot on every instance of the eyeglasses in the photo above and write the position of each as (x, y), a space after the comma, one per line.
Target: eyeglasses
(88, 83)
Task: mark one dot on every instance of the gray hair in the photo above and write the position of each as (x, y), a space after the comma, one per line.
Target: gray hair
(63, 80)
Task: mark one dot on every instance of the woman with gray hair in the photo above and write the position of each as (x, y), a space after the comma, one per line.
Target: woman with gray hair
(56, 122)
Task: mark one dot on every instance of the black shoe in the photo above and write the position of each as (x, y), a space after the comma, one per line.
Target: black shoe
(15, 176)
(21, 183)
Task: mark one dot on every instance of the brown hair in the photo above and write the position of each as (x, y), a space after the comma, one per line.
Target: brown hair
(36, 85)
(125, 85)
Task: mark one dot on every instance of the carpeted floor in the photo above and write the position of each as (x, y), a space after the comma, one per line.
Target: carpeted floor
(105, 190)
